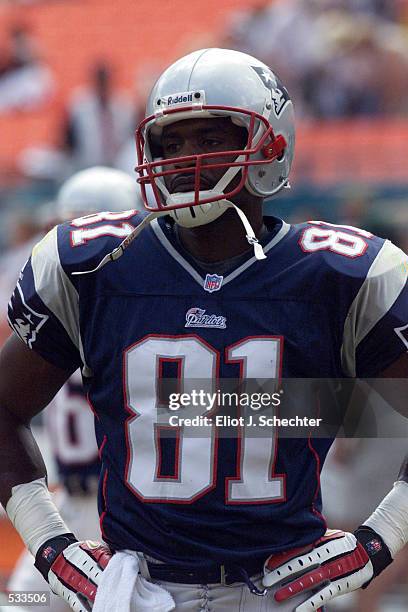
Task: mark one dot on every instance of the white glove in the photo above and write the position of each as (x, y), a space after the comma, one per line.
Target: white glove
(73, 569)
(338, 563)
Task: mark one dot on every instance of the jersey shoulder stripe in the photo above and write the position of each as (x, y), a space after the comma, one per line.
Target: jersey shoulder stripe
(385, 282)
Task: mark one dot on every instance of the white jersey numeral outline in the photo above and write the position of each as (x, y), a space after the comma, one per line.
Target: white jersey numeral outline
(256, 481)
(196, 456)
(82, 235)
(336, 240)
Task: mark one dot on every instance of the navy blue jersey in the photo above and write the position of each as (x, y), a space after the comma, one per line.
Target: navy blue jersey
(328, 301)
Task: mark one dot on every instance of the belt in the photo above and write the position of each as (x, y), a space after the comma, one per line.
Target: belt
(214, 574)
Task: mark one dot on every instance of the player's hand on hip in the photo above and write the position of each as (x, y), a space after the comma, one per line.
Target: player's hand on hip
(336, 564)
(73, 569)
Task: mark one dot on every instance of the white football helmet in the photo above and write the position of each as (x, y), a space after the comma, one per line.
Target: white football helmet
(97, 189)
(217, 83)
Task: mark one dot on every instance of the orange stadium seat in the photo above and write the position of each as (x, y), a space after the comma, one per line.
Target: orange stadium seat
(72, 34)
(11, 548)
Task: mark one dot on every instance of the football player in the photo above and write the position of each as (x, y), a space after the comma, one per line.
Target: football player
(199, 518)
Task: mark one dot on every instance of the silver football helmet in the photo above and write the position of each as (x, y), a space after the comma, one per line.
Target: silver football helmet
(95, 190)
(217, 83)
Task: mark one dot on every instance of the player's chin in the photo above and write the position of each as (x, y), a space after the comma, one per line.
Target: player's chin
(183, 183)
(187, 186)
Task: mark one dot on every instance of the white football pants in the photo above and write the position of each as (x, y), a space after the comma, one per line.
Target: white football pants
(220, 598)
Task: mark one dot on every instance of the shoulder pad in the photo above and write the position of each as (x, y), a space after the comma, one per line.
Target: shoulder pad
(344, 249)
(85, 241)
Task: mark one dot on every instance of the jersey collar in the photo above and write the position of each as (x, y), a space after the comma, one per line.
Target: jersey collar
(172, 248)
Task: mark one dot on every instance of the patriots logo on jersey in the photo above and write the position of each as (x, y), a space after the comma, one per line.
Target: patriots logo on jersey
(196, 317)
(280, 95)
(28, 323)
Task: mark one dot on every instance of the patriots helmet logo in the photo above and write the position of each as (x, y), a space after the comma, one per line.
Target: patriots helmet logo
(23, 329)
(279, 93)
(28, 322)
(28, 327)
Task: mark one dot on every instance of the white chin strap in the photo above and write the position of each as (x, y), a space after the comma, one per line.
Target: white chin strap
(217, 190)
(250, 234)
(202, 214)
(118, 251)
(206, 213)
(181, 198)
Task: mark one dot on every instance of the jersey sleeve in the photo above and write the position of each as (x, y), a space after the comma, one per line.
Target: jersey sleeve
(43, 310)
(376, 326)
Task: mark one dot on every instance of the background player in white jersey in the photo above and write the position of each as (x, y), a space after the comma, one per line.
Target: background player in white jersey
(206, 516)
(69, 421)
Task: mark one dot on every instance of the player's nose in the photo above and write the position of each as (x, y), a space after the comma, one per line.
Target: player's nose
(187, 149)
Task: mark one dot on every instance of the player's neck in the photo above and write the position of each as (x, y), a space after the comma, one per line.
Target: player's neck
(222, 239)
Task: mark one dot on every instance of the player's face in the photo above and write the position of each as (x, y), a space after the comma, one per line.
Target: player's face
(197, 136)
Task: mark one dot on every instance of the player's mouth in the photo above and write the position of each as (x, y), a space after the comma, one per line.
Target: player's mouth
(183, 183)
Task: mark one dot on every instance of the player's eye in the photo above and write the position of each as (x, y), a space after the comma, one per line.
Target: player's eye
(212, 143)
(171, 148)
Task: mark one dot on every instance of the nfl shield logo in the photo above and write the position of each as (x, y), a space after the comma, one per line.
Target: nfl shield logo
(213, 282)
(373, 547)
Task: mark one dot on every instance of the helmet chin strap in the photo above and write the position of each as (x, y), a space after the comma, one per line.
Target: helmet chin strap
(250, 234)
(219, 190)
(220, 186)
(118, 251)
